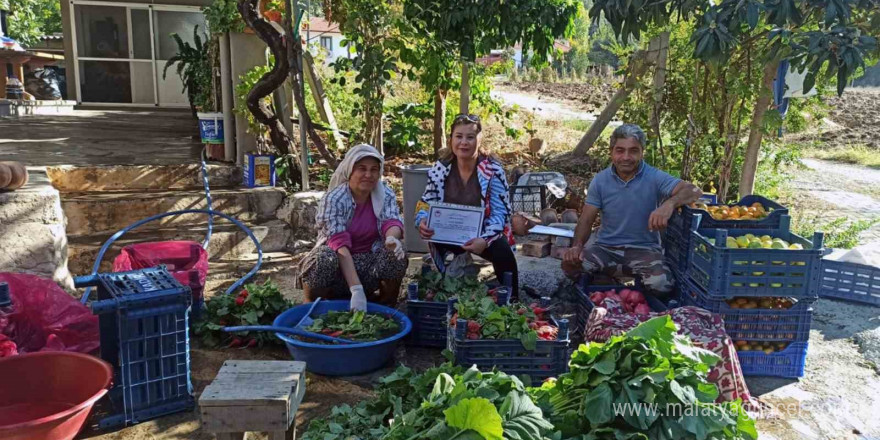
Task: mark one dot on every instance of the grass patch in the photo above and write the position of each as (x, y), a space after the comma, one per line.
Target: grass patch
(857, 155)
(577, 124)
(840, 233)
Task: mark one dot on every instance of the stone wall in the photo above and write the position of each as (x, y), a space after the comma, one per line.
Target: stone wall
(299, 211)
(32, 230)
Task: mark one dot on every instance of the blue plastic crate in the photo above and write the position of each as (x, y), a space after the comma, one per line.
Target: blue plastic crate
(789, 325)
(850, 282)
(429, 317)
(786, 363)
(676, 246)
(548, 359)
(681, 220)
(428, 323)
(723, 272)
(143, 317)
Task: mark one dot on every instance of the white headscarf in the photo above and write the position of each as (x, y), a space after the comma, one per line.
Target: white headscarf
(343, 173)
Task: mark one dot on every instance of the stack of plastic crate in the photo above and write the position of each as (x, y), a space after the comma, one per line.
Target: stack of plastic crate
(677, 237)
(144, 324)
(765, 296)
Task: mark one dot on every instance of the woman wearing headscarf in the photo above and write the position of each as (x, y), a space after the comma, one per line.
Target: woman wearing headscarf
(469, 175)
(359, 247)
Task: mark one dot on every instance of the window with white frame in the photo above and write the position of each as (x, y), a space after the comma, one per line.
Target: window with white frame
(327, 43)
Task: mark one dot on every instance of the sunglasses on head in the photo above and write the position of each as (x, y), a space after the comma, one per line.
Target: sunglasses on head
(463, 117)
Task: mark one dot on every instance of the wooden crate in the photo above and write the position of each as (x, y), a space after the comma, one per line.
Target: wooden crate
(261, 396)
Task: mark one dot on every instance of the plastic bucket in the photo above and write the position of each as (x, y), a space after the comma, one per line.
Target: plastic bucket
(415, 179)
(346, 359)
(211, 127)
(48, 395)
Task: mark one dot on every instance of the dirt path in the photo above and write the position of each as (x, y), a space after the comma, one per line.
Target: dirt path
(542, 106)
(844, 191)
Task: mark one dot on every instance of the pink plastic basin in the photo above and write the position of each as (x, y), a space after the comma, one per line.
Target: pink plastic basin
(48, 395)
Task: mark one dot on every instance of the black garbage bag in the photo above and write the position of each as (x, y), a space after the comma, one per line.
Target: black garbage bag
(43, 84)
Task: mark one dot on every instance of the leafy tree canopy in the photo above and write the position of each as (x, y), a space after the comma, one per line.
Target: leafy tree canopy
(828, 37)
(476, 27)
(32, 19)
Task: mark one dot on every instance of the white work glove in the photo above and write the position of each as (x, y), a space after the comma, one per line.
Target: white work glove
(358, 298)
(394, 245)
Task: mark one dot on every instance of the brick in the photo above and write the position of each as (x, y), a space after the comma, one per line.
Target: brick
(536, 249)
(562, 242)
(558, 251)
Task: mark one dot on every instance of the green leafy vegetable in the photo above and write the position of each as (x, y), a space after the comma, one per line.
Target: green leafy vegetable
(488, 320)
(256, 304)
(433, 286)
(445, 402)
(648, 383)
(356, 325)
(477, 414)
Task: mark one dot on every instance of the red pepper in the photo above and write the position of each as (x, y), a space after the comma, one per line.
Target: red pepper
(540, 310)
(244, 293)
(239, 301)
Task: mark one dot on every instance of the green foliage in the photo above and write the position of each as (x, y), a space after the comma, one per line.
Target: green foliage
(195, 69)
(32, 19)
(840, 233)
(651, 368)
(368, 29)
(223, 16)
(256, 304)
(354, 325)
(828, 39)
(475, 28)
(406, 132)
(245, 85)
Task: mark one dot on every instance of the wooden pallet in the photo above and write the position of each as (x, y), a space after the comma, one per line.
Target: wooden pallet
(258, 396)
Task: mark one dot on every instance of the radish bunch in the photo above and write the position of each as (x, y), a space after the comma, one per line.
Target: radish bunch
(632, 301)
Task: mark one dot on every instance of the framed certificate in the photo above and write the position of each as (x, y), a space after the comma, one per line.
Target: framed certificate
(455, 224)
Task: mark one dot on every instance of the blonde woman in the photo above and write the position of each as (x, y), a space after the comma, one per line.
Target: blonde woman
(469, 175)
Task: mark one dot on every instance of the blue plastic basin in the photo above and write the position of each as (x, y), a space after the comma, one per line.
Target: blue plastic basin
(345, 359)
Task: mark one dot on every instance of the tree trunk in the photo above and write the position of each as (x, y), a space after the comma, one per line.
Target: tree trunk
(296, 70)
(638, 66)
(750, 162)
(270, 81)
(321, 101)
(661, 45)
(731, 140)
(465, 103)
(439, 121)
(691, 129)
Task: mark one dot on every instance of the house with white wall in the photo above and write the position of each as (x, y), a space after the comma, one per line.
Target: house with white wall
(325, 35)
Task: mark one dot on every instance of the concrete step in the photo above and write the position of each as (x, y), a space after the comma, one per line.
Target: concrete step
(71, 178)
(228, 242)
(104, 212)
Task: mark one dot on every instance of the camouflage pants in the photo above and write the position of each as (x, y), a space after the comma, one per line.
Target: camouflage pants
(646, 264)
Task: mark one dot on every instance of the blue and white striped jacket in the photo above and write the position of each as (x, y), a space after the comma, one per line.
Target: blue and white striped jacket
(495, 197)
